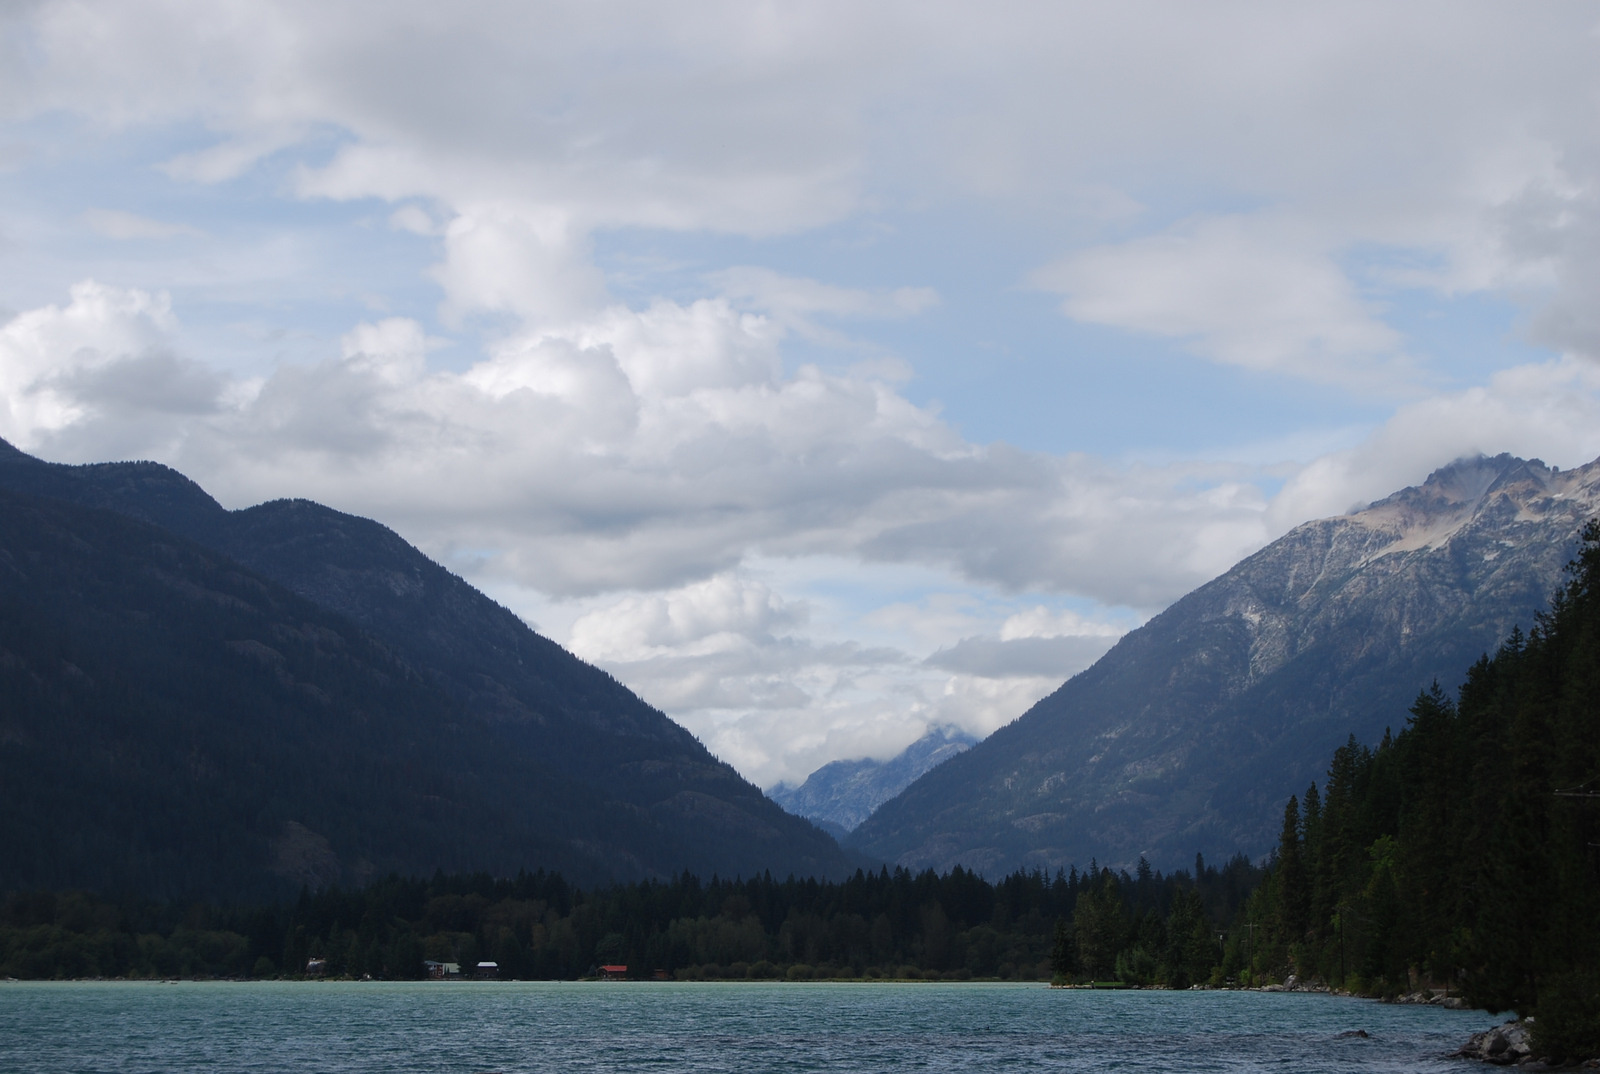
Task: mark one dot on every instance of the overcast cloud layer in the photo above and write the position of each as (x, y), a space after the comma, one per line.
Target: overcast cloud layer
(824, 371)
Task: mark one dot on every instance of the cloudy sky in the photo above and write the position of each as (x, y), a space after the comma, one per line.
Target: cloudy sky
(823, 370)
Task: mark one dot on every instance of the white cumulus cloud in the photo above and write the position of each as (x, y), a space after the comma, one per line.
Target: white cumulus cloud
(671, 467)
(1255, 292)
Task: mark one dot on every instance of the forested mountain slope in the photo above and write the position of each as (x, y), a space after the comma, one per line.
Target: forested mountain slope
(1189, 734)
(636, 795)
(1462, 851)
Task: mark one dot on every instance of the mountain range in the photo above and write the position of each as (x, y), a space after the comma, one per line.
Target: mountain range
(841, 794)
(197, 701)
(200, 701)
(1193, 730)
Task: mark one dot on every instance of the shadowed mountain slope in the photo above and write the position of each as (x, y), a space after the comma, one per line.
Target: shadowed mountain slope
(609, 787)
(175, 725)
(1189, 734)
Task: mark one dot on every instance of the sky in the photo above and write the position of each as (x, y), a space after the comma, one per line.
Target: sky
(825, 371)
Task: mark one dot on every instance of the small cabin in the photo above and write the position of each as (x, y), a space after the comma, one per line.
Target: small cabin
(613, 973)
(316, 967)
(487, 971)
(440, 971)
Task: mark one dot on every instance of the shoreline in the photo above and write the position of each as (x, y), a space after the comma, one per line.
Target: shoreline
(1320, 990)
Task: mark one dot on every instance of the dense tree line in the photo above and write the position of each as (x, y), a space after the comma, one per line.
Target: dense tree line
(1148, 927)
(1462, 852)
(1148, 930)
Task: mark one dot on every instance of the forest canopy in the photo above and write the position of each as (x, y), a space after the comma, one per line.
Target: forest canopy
(536, 926)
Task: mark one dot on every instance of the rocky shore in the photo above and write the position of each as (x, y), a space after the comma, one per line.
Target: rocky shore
(1431, 997)
(1511, 1045)
(1434, 997)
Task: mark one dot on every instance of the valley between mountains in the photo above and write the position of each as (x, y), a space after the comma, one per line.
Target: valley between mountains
(212, 703)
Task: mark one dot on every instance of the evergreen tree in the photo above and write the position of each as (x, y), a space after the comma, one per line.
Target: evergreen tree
(1293, 891)
(1063, 952)
(1100, 925)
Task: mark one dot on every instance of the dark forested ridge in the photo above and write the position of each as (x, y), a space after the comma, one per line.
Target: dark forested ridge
(175, 725)
(1192, 731)
(204, 702)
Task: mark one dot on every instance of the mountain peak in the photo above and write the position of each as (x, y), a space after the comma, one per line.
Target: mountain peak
(1468, 492)
(1472, 476)
(148, 491)
(1196, 726)
(841, 794)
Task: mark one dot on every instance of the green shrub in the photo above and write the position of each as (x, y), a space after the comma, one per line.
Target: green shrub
(1568, 1023)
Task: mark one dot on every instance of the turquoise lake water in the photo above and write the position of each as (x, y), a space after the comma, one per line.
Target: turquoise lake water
(473, 1027)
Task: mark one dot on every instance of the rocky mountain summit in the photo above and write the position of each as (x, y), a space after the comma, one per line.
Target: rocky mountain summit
(1192, 731)
(841, 794)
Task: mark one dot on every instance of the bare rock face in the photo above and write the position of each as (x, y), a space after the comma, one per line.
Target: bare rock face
(1194, 729)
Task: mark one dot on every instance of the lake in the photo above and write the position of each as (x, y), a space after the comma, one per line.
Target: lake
(734, 1027)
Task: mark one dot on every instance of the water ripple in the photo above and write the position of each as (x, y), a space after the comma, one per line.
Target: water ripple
(712, 1028)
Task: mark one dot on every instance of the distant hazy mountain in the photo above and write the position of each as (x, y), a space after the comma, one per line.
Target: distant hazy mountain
(1189, 734)
(841, 794)
(197, 699)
